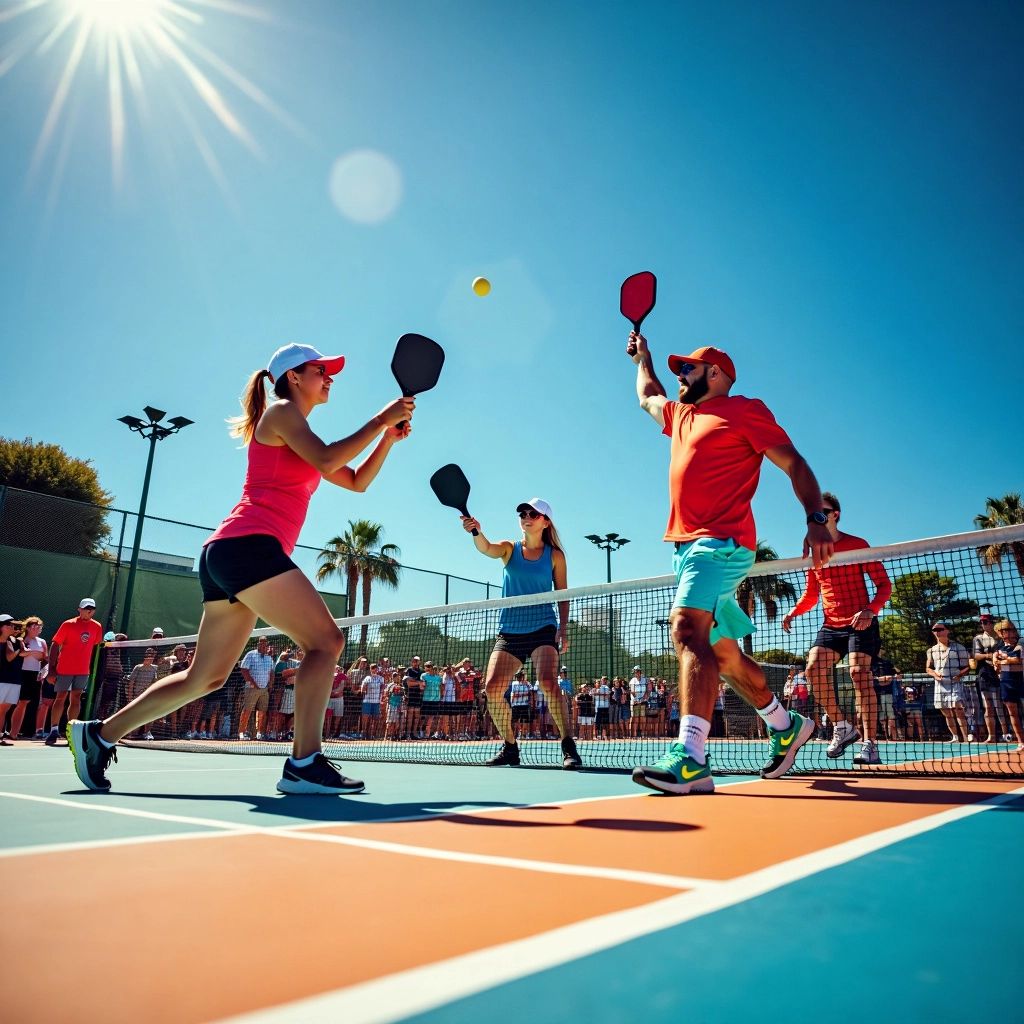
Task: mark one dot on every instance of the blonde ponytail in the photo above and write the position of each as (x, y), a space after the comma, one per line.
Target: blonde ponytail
(550, 536)
(254, 404)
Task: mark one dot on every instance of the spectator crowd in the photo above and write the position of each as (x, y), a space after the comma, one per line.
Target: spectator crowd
(965, 693)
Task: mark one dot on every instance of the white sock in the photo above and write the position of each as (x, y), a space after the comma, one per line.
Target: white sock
(303, 762)
(103, 741)
(776, 716)
(693, 734)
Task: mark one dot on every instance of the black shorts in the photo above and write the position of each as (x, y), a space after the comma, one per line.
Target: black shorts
(30, 685)
(601, 717)
(522, 645)
(415, 699)
(1011, 687)
(520, 712)
(229, 566)
(431, 707)
(847, 640)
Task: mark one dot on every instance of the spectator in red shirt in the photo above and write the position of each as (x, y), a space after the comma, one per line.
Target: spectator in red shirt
(850, 628)
(718, 442)
(71, 662)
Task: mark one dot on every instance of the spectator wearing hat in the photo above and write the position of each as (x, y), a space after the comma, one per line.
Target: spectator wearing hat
(257, 668)
(11, 653)
(997, 723)
(71, 662)
(947, 662)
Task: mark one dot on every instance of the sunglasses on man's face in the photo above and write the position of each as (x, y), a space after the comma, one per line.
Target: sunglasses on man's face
(940, 631)
(685, 369)
(530, 513)
(829, 511)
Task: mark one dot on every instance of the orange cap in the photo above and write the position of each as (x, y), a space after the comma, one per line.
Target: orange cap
(705, 354)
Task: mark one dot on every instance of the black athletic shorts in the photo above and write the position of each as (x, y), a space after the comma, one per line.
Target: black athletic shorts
(522, 645)
(521, 713)
(229, 566)
(848, 640)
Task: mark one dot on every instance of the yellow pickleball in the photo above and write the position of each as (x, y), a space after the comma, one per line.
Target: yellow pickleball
(481, 285)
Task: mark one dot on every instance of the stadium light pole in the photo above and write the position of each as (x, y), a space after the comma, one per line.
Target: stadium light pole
(152, 430)
(608, 543)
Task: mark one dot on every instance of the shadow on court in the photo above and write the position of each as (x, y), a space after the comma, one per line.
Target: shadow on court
(868, 790)
(611, 824)
(311, 808)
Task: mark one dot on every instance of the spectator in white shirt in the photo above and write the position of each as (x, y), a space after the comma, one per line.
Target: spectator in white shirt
(257, 668)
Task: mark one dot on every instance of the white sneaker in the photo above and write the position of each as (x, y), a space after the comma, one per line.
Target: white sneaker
(259, 735)
(149, 736)
(842, 736)
(868, 754)
(243, 735)
(970, 737)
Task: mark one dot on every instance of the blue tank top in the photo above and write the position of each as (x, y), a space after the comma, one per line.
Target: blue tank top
(527, 577)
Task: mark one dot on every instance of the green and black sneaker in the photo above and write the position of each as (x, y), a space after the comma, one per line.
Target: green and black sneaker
(783, 745)
(677, 773)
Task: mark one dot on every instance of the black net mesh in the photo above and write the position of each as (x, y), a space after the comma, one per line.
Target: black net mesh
(957, 718)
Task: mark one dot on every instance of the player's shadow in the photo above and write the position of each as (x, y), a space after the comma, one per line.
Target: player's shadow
(311, 808)
(609, 824)
(950, 794)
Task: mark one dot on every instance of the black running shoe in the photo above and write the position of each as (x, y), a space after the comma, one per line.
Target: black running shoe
(571, 759)
(92, 756)
(321, 777)
(508, 755)
(52, 736)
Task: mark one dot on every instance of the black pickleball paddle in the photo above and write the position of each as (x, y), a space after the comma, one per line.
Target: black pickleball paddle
(416, 364)
(450, 485)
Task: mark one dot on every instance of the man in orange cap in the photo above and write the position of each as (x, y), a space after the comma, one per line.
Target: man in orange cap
(718, 444)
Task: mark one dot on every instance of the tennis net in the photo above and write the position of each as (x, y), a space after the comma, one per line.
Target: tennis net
(956, 719)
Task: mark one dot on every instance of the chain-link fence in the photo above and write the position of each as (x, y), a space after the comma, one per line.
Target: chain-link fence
(54, 551)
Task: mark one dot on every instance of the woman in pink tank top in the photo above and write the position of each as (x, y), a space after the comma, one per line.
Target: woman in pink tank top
(246, 572)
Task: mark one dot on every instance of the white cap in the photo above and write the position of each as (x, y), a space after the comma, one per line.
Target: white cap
(87, 602)
(537, 504)
(289, 356)
(637, 668)
(158, 631)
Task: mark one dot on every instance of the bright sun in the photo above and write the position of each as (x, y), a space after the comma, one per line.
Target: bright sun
(120, 17)
(142, 48)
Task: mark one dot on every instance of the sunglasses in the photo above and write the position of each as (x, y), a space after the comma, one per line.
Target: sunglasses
(940, 630)
(685, 369)
(530, 513)
(829, 511)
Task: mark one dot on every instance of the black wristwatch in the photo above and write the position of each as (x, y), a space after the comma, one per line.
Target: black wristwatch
(817, 517)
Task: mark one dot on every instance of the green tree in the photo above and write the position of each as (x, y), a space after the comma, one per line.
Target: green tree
(766, 591)
(75, 526)
(1005, 511)
(777, 656)
(919, 599)
(359, 555)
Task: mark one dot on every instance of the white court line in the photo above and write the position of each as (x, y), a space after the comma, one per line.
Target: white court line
(286, 832)
(520, 863)
(102, 808)
(401, 995)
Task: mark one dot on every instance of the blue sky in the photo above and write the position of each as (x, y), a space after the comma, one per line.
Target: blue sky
(831, 192)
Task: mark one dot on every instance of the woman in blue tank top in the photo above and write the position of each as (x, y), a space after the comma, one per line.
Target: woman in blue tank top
(533, 565)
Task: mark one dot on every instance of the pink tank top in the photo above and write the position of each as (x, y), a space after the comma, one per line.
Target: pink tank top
(275, 496)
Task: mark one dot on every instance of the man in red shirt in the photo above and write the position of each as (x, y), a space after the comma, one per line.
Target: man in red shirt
(71, 662)
(850, 628)
(718, 444)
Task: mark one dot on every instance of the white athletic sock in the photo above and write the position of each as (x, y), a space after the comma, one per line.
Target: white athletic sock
(105, 743)
(776, 716)
(303, 762)
(693, 734)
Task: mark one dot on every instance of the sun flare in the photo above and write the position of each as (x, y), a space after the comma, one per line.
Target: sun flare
(143, 51)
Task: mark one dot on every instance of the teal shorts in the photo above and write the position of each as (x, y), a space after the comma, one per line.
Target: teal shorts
(707, 572)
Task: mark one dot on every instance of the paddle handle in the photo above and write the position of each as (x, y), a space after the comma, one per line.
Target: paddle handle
(465, 512)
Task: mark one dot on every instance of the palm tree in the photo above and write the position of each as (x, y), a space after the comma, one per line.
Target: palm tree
(1005, 511)
(766, 590)
(358, 553)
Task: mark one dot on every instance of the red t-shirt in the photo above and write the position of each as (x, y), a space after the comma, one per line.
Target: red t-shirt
(717, 450)
(77, 638)
(842, 588)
